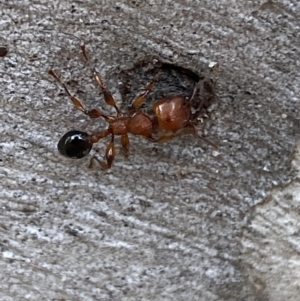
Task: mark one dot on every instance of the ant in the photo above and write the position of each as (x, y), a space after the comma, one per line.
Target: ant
(172, 114)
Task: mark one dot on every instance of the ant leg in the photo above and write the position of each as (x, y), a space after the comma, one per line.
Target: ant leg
(192, 126)
(193, 94)
(196, 114)
(94, 113)
(150, 138)
(109, 99)
(208, 93)
(165, 138)
(190, 102)
(110, 150)
(140, 99)
(94, 158)
(125, 144)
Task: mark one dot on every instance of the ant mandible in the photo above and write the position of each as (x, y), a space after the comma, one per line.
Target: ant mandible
(171, 115)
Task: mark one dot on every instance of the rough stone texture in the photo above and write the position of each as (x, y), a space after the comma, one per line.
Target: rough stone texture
(176, 221)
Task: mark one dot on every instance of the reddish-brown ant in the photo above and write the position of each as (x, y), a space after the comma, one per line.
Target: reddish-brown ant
(171, 115)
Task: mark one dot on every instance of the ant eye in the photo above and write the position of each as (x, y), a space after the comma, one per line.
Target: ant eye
(74, 144)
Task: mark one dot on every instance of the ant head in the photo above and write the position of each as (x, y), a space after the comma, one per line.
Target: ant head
(74, 144)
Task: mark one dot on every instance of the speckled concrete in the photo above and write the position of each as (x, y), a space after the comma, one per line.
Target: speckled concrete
(175, 221)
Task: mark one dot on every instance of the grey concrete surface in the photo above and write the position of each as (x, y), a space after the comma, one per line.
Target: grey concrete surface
(175, 221)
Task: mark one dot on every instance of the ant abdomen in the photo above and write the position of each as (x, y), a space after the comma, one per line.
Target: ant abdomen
(74, 144)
